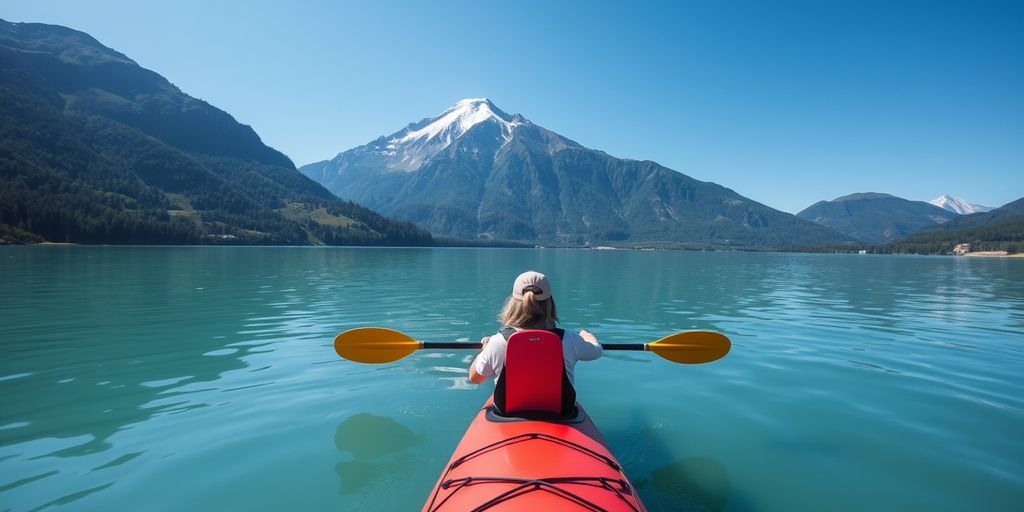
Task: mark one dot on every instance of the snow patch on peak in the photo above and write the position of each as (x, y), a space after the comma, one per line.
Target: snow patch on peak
(413, 147)
(472, 101)
(957, 205)
(457, 120)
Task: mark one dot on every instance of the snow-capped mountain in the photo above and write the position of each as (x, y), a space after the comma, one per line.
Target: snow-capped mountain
(475, 172)
(409, 149)
(957, 205)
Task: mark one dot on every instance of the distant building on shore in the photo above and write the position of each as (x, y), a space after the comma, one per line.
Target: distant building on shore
(961, 249)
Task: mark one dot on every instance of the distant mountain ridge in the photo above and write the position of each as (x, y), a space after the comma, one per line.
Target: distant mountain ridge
(957, 205)
(94, 148)
(1005, 212)
(999, 229)
(876, 218)
(477, 172)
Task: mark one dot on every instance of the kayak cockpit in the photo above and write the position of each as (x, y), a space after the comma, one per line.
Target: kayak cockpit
(576, 415)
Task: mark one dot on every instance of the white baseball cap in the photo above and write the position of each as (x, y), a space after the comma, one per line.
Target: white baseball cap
(532, 281)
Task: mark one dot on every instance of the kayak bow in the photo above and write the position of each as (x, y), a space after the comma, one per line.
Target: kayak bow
(515, 464)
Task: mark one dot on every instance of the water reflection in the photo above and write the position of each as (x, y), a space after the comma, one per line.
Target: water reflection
(366, 436)
(694, 483)
(98, 340)
(75, 496)
(691, 484)
(377, 445)
(144, 366)
(113, 343)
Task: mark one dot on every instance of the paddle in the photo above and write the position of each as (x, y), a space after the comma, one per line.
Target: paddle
(380, 345)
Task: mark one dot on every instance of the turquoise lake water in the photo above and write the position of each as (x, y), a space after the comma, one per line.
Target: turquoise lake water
(203, 378)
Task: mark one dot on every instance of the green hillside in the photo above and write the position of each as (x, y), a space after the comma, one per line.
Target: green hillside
(96, 149)
(876, 218)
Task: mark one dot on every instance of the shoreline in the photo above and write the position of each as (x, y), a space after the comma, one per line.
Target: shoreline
(976, 254)
(993, 254)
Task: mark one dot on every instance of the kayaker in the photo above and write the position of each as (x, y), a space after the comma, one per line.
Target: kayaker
(531, 306)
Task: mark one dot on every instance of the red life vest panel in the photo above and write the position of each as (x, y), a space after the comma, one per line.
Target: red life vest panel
(534, 378)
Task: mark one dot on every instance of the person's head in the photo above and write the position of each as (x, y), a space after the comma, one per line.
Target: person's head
(531, 305)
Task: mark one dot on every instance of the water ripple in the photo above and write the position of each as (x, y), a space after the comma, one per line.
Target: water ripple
(127, 368)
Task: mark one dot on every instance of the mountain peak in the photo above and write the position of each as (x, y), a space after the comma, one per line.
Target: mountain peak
(415, 145)
(475, 103)
(875, 218)
(68, 45)
(459, 118)
(863, 195)
(957, 205)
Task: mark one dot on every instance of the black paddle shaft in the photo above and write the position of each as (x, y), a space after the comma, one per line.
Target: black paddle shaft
(624, 346)
(450, 344)
(457, 344)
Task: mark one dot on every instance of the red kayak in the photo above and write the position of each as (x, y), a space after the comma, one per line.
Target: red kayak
(517, 464)
(545, 454)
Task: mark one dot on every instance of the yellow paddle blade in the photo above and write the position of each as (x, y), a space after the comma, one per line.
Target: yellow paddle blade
(374, 345)
(692, 347)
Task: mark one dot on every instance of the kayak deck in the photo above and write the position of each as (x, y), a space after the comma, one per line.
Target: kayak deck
(504, 464)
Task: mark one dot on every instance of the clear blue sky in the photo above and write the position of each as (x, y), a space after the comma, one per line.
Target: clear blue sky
(784, 102)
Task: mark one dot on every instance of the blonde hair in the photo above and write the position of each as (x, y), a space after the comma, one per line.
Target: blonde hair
(529, 313)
